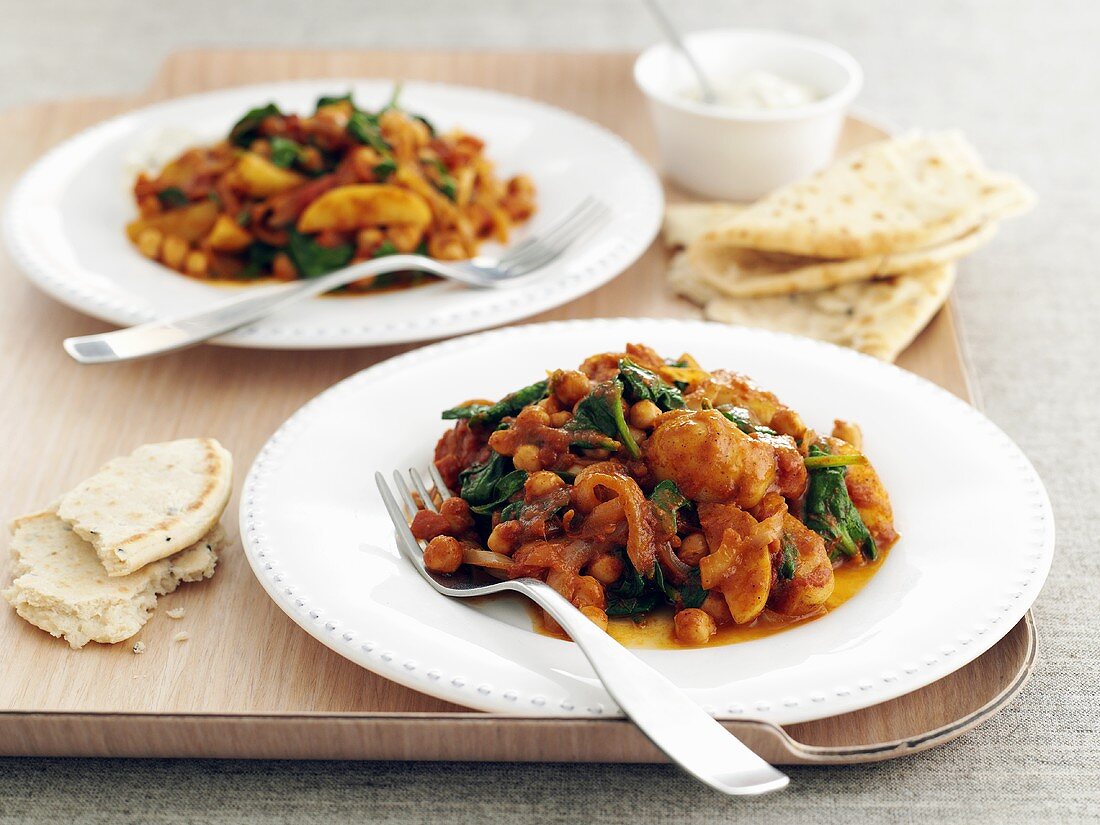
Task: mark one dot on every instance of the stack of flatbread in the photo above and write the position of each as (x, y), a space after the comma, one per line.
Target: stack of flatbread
(90, 567)
(861, 254)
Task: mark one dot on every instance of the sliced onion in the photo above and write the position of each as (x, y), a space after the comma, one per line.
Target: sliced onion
(485, 558)
(672, 563)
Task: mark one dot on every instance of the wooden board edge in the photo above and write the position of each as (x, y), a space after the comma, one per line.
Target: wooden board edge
(459, 736)
(388, 736)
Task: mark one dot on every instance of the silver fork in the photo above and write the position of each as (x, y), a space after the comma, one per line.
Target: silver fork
(158, 337)
(687, 734)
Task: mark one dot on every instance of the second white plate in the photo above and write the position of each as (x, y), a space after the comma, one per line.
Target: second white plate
(976, 526)
(64, 223)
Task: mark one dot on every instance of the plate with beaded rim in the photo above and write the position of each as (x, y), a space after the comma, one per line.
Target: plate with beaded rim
(65, 219)
(977, 532)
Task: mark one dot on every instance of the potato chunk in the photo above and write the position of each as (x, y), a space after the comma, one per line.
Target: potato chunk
(261, 178)
(347, 208)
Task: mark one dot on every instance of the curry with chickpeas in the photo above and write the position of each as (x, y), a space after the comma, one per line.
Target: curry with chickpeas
(641, 488)
(291, 196)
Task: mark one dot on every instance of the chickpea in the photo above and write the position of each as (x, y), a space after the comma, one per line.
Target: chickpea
(541, 484)
(527, 458)
(693, 548)
(560, 419)
(570, 386)
(694, 627)
(283, 268)
(532, 416)
(405, 237)
(447, 246)
(368, 239)
(149, 241)
(606, 569)
(174, 251)
(643, 414)
(196, 264)
(587, 591)
(715, 606)
(457, 513)
(596, 616)
(551, 405)
(310, 159)
(148, 205)
(503, 538)
(363, 160)
(443, 554)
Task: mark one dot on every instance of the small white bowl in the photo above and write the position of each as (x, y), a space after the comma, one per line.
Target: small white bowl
(741, 155)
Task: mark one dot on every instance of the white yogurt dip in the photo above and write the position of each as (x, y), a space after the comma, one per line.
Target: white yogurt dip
(760, 91)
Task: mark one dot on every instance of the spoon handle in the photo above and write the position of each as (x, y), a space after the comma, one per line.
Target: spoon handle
(677, 41)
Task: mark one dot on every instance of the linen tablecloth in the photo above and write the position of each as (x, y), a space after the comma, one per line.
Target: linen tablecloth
(1022, 79)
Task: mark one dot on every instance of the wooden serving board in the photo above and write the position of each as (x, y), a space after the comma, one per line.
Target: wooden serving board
(249, 682)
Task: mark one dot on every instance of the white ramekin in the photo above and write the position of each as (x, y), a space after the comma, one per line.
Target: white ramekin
(721, 153)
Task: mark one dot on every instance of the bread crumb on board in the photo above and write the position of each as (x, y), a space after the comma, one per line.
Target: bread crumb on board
(176, 613)
(139, 647)
(182, 636)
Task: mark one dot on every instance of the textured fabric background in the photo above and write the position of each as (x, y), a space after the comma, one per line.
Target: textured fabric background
(1022, 79)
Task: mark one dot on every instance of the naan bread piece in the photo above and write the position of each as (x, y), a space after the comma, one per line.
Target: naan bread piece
(152, 503)
(880, 318)
(60, 586)
(746, 273)
(685, 280)
(685, 222)
(899, 195)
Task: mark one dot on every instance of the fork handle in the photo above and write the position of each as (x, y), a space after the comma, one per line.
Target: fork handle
(687, 734)
(157, 337)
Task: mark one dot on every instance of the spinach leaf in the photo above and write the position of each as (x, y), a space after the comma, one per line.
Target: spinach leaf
(284, 152)
(244, 217)
(172, 196)
(394, 96)
(692, 593)
(489, 415)
(633, 595)
(385, 248)
(512, 511)
(329, 100)
(364, 128)
(504, 488)
(602, 411)
(831, 513)
(426, 122)
(260, 258)
(247, 129)
(639, 384)
(682, 363)
(312, 259)
(788, 558)
(386, 280)
(446, 183)
(667, 501)
(383, 170)
(743, 419)
(478, 483)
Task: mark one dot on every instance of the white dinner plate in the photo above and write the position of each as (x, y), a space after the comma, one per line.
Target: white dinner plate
(65, 219)
(977, 533)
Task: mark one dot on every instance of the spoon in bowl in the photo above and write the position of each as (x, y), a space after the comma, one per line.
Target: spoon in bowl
(673, 35)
